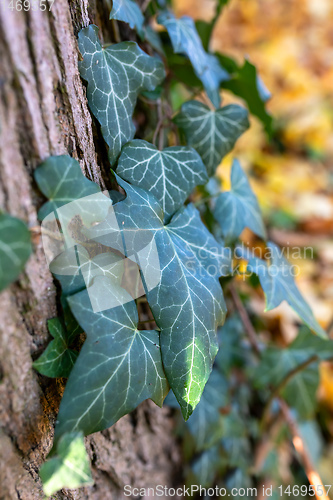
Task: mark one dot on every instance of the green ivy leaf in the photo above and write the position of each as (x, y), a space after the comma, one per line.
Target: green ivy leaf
(207, 466)
(15, 248)
(61, 180)
(238, 208)
(212, 133)
(128, 12)
(231, 352)
(152, 37)
(301, 391)
(246, 84)
(185, 40)
(204, 30)
(236, 441)
(180, 66)
(206, 422)
(238, 480)
(57, 360)
(118, 366)
(187, 303)
(278, 284)
(276, 364)
(69, 468)
(115, 76)
(170, 175)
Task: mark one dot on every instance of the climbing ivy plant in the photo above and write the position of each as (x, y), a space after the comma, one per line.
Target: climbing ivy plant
(168, 192)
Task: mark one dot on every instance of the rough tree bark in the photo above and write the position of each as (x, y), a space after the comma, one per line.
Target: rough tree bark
(43, 111)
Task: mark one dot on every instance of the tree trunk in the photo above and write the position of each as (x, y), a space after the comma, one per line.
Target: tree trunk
(43, 111)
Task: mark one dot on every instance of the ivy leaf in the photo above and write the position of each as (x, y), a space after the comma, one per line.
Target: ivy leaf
(69, 468)
(57, 360)
(276, 364)
(128, 12)
(61, 180)
(231, 352)
(187, 300)
(115, 76)
(300, 393)
(238, 208)
(237, 480)
(185, 40)
(15, 248)
(246, 84)
(118, 366)
(236, 440)
(154, 39)
(212, 133)
(170, 175)
(278, 284)
(207, 466)
(206, 422)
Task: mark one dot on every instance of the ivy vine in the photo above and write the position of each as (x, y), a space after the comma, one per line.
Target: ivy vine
(171, 192)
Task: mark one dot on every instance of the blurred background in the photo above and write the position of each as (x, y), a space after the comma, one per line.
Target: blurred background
(291, 44)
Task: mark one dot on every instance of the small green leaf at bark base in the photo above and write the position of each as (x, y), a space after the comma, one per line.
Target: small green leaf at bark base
(212, 133)
(57, 360)
(15, 248)
(170, 175)
(238, 208)
(69, 467)
(116, 75)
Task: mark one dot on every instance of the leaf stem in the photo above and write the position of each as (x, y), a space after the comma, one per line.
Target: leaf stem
(218, 10)
(312, 475)
(159, 126)
(276, 391)
(115, 30)
(204, 200)
(251, 333)
(145, 5)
